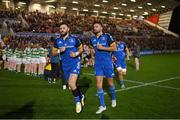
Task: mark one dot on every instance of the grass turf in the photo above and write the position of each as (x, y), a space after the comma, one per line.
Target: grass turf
(24, 96)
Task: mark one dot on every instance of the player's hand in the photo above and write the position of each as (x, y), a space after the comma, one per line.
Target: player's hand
(62, 49)
(100, 47)
(73, 54)
(92, 60)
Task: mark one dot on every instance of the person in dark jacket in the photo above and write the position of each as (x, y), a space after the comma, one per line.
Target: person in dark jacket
(54, 60)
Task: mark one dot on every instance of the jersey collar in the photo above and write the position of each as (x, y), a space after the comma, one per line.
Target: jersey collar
(100, 35)
(66, 38)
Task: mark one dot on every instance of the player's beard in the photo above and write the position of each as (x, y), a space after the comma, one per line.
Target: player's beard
(63, 35)
(96, 32)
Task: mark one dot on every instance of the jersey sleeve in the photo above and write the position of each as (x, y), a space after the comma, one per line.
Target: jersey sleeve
(78, 43)
(90, 43)
(110, 39)
(56, 43)
(125, 47)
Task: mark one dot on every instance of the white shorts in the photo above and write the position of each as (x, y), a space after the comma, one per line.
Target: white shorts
(42, 60)
(28, 60)
(4, 57)
(24, 61)
(8, 59)
(18, 61)
(13, 59)
(35, 60)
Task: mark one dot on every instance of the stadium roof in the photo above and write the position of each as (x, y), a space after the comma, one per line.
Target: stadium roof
(116, 7)
(121, 8)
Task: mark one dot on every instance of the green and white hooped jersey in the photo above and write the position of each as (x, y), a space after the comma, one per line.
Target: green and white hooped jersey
(23, 54)
(18, 53)
(9, 53)
(4, 51)
(42, 52)
(35, 53)
(28, 53)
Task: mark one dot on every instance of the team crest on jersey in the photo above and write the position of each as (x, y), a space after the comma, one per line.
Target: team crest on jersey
(103, 38)
(94, 40)
(71, 40)
(60, 42)
(122, 46)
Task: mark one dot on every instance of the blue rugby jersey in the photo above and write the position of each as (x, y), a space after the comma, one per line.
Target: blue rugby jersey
(121, 51)
(101, 56)
(71, 43)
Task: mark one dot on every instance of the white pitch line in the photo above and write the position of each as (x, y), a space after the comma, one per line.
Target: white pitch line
(164, 80)
(167, 87)
(155, 82)
(162, 86)
(142, 84)
(150, 83)
(134, 81)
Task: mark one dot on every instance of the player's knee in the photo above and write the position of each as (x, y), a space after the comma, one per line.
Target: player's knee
(124, 71)
(120, 72)
(110, 81)
(72, 85)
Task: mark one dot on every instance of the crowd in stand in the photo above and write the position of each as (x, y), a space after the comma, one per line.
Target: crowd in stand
(38, 22)
(148, 37)
(9, 14)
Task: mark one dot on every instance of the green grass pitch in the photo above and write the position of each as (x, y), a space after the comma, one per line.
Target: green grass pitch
(152, 92)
